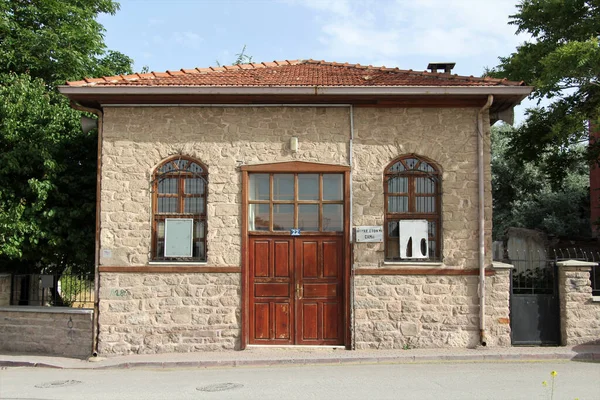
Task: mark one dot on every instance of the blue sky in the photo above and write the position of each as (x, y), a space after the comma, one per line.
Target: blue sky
(175, 34)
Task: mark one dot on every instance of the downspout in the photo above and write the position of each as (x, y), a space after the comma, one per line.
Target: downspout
(350, 163)
(481, 187)
(95, 327)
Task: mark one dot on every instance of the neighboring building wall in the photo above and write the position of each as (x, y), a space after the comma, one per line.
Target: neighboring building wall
(5, 289)
(64, 332)
(161, 313)
(579, 313)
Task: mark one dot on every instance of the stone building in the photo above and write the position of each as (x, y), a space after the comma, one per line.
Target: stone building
(296, 203)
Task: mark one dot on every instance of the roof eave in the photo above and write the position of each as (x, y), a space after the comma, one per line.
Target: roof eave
(298, 90)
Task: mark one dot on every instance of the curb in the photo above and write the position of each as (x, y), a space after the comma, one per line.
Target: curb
(594, 357)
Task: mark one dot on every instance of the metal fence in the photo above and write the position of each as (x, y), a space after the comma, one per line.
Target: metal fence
(52, 290)
(534, 271)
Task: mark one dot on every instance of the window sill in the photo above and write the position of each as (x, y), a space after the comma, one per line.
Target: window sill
(413, 263)
(596, 299)
(177, 263)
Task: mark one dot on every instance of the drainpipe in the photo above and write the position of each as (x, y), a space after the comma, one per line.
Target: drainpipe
(481, 187)
(350, 163)
(95, 327)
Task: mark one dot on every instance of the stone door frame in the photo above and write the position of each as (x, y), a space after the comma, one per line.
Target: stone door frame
(295, 167)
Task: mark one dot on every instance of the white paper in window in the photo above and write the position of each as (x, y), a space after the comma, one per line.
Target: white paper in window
(414, 241)
(178, 237)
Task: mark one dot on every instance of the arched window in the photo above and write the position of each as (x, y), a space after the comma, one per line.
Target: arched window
(412, 210)
(179, 210)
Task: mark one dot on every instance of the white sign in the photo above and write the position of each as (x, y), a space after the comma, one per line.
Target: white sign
(372, 234)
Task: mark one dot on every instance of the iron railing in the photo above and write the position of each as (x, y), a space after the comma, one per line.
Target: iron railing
(52, 290)
(535, 271)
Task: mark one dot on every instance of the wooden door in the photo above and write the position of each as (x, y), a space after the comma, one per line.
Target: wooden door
(296, 287)
(319, 311)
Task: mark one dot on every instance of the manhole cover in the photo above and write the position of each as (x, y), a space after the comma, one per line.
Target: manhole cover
(220, 387)
(53, 384)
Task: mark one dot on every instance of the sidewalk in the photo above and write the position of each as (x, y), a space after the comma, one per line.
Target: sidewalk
(306, 356)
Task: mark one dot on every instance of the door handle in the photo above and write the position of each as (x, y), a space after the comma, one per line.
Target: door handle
(298, 290)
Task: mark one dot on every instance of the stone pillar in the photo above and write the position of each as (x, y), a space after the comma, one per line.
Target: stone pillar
(498, 305)
(579, 314)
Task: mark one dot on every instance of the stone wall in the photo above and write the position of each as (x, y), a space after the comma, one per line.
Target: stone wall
(161, 313)
(136, 140)
(147, 313)
(446, 136)
(417, 311)
(65, 332)
(5, 289)
(579, 313)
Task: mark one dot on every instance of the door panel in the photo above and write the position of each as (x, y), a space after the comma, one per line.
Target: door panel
(271, 291)
(296, 290)
(318, 276)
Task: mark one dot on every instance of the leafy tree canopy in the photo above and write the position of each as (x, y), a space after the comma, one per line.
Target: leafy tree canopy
(525, 195)
(47, 164)
(562, 61)
(57, 40)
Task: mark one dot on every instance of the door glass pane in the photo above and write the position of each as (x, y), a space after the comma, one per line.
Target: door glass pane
(424, 185)
(333, 188)
(194, 186)
(283, 187)
(258, 217)
(308, 187)
(259, 187)
(333, 215)
(308, 217)
(194, 205)
(398, 185)
(397, 204)
(167, 185)
(283, 217)
(167, 204)
(425, 204)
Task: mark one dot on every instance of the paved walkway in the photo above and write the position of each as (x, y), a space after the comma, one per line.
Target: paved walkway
(306, 356)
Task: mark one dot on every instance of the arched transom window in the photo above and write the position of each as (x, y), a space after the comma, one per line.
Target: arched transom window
(412, 210)
(179, 210)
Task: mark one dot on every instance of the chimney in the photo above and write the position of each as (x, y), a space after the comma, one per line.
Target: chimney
(436, 66)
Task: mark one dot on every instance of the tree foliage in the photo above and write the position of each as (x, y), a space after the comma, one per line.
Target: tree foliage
(47, 164)
(525, 194)
(562, 61)
(57, 40)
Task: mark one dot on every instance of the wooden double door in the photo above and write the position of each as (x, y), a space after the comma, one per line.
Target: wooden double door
(296, 290)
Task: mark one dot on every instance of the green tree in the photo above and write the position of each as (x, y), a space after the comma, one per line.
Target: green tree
(57, 40)
(525, 195)
(47, 164)
(562, 61)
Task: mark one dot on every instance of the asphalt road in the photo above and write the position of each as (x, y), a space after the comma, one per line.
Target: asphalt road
(500, 380)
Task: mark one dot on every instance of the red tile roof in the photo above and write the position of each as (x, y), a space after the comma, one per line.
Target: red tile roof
(293, 73)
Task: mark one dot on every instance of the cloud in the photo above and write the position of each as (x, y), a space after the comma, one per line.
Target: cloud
(152, 22)
(187, 39)
(440, 30)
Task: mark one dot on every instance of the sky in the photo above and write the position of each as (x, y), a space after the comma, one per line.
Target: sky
(408, 34)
